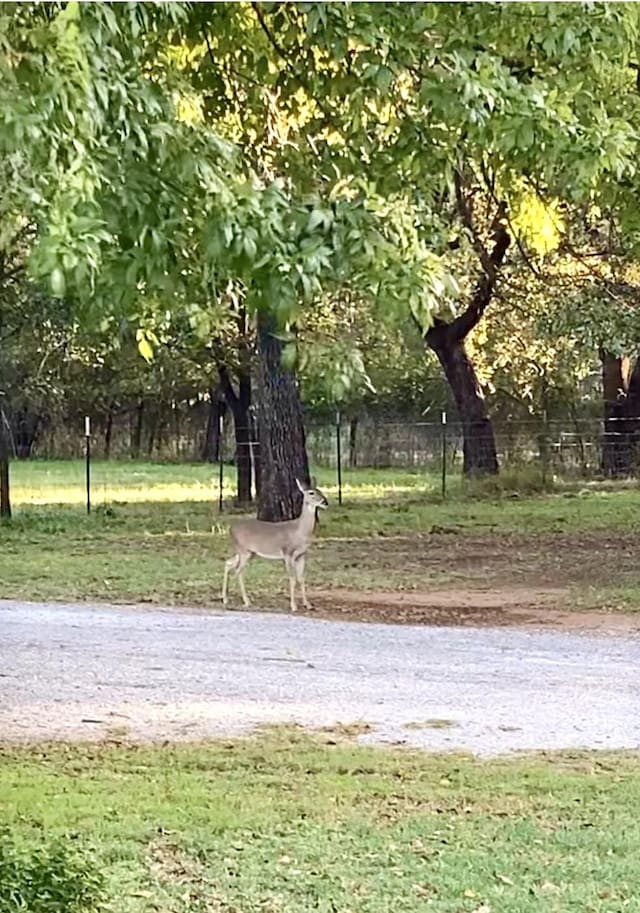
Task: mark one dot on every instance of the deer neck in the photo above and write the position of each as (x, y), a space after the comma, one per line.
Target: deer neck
(307, 520)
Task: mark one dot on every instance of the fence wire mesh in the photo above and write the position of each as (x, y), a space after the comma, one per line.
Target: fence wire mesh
(555, 449)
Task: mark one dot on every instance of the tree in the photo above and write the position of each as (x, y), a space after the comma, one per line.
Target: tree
(441, 103)
(234, 354)
(143, 209)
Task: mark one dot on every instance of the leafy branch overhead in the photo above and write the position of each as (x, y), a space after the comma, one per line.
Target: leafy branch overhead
(311, 154)
(141, 207)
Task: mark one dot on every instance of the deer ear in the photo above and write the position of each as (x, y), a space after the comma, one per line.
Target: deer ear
(300, 485)
(313, 482)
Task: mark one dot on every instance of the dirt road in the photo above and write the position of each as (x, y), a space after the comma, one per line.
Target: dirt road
(87, 672)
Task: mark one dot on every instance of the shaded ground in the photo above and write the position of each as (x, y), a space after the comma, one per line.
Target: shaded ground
(90, 672)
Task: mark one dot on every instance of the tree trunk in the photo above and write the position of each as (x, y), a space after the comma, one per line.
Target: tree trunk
(239, 404)
(160, 427)
(211, 444)
(283, 454)
(153, 426)
(479, 446)
(447, 341)
(621, 396)
(25, 426)
(108, 435)
(353, 431)
(177, 424)
(136, 442)
(5, 499)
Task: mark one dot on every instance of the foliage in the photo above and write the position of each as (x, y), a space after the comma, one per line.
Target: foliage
(531, 103)
(151, 209)
(167, 166)
(53, 876)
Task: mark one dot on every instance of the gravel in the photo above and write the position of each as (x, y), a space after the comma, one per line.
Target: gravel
(89, 672)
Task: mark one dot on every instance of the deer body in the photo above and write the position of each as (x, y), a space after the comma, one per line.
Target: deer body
(287, 540)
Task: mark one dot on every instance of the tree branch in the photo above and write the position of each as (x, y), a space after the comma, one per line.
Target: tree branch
(265, 28)
(491, 263)
(227, 387)
(205, 35)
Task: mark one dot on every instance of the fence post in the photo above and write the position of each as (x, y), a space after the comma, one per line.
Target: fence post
(220, 460)
(87, 441)
(339, 454)
(444, 453)
(545, 446)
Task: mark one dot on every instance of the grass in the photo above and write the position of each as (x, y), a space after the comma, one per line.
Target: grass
(155, 533)
(39, 481)
(289, 822)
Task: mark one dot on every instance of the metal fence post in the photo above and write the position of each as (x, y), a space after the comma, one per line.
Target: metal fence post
(220, 460)
(87, 441)
(444, 454)
(545, 446)
(339, 454)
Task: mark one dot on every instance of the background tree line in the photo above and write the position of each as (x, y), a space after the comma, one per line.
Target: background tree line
(408, 205)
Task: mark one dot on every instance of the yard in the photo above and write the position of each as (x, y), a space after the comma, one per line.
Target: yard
(291, 822)
(287, 820)
(394, 550)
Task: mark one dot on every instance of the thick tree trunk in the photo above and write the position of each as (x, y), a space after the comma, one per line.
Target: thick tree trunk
(5, 499)
(479, 446)
(283, 454)
(621, 400)
(447, 341)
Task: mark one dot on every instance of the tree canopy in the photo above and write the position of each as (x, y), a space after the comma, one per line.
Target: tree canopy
(346, 175)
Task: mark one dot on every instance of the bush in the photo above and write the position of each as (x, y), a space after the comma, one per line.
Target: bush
(57, 876)
(512, 480)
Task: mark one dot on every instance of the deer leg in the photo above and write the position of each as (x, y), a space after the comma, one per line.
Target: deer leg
(299, 570)
(243, 559)
(230, 565)
(292, 583)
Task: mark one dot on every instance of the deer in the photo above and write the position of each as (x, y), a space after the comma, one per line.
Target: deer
(284, 540)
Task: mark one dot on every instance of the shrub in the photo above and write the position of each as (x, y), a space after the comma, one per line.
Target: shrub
(55, 876)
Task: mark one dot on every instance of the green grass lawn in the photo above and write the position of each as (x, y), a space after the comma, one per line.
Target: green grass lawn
(290, 823)
(155, 534)
(63, 482)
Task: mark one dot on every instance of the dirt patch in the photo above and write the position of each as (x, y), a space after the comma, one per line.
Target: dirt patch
(506, 559)
(459, 577)
(470, 607)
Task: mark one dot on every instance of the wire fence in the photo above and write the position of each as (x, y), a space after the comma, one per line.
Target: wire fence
(538, 450)
(582, 448)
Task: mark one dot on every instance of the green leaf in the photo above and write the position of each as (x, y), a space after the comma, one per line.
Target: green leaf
(289, 356)
(144, 347)
(317, 217)
(58, 283)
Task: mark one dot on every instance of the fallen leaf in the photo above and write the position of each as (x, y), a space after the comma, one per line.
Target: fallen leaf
(504, 879)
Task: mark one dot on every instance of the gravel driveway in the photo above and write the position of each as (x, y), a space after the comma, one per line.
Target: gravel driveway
(76, 672)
